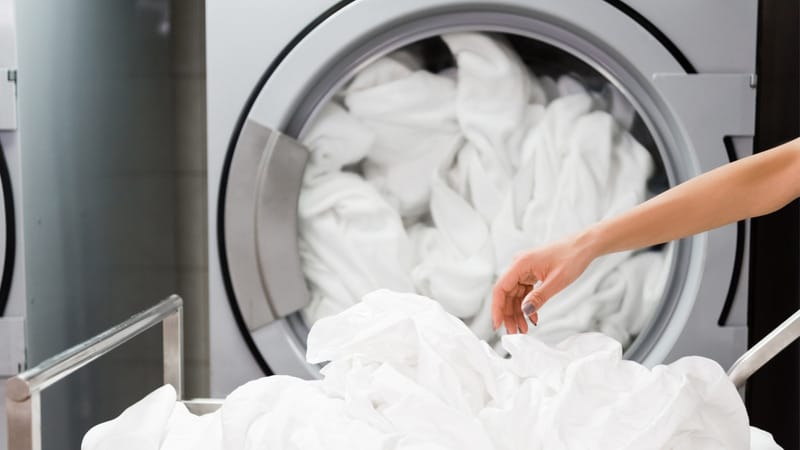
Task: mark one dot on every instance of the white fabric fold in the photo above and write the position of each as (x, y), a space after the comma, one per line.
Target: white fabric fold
(351, 242)
(186, 431)
(455, 263)
(140, 427)
(412, 114)
(494, 88)
(335, 140)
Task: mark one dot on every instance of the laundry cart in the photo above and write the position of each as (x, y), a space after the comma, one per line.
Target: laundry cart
(24, 390)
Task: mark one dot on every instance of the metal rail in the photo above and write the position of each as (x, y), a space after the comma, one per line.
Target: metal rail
(23, 405)
(764, 350)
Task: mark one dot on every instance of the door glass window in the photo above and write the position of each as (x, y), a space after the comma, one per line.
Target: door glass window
(437, 163)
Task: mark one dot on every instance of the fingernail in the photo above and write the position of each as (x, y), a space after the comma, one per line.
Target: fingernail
(528, 308)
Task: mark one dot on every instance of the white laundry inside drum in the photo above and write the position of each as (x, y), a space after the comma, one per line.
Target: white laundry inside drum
(430, 179)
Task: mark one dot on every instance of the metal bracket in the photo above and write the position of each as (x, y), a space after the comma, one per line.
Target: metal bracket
(8, 99)
(12, 352)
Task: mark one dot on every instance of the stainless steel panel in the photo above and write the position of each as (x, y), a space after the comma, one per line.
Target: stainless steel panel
(711, 107)
(717, 36)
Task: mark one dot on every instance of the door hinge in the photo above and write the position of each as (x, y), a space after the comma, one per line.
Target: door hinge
(8, 99)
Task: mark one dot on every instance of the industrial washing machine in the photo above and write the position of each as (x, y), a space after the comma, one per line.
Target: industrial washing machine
(12, 295)
(686, 67)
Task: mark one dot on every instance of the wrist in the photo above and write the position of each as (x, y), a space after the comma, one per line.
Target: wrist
(589, 243)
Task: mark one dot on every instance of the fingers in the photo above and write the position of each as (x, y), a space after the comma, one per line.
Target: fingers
(535, 299)
(509, 315)
(509, 310)
(522, 324)
(505, 290)
(508, 294)
(555, 266)
(498, 298)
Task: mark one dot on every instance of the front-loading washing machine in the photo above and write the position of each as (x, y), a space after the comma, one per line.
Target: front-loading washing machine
(12, 290)
(686, 69)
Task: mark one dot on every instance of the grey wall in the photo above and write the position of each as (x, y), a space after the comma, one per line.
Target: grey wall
(111, 105)
(188, 68)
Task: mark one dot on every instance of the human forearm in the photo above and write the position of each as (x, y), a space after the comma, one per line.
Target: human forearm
(750, 187)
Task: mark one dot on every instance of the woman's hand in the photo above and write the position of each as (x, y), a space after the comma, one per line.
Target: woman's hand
(517, 294)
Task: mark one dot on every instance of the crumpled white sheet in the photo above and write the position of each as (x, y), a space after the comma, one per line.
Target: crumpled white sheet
(412, 113)
(404, 374)
(336, 140)
(345, 223)
(476, 164)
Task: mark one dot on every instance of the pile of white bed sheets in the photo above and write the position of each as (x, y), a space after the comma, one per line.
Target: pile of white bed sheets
(431, 183)
(404, 374)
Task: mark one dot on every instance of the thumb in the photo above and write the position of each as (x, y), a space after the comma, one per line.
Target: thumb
(536, 298)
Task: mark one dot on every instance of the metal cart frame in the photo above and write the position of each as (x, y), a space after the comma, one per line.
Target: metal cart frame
(23, 405)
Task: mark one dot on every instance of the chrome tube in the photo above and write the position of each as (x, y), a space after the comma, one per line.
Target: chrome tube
(200, 406)
(764, 350)
(23, 391)
(173, 348)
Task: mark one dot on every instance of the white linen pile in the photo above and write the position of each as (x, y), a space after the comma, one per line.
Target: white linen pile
(405, 374)
(431, 183)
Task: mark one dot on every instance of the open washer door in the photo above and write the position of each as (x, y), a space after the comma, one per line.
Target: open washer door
(257, 226)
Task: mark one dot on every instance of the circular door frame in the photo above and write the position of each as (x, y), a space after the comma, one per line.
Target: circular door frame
(283, 109)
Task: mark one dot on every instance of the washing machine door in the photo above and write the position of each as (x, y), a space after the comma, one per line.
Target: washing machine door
(261, 179)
